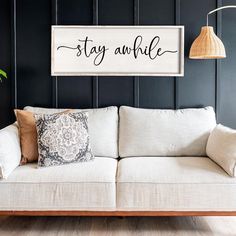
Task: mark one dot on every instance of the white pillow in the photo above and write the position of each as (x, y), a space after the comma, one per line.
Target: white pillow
(221, 148)
(103, 128)
(10, 153)
(159, 132)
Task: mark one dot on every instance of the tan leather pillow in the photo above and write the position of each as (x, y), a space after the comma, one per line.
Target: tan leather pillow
(28, 136)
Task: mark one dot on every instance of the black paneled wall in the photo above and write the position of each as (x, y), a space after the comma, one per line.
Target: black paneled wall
(25, 54)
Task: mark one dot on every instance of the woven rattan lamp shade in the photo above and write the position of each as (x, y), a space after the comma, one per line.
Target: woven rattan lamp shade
(207, 45)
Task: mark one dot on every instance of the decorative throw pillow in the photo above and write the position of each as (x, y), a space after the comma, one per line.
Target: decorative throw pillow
(221, 148)
(28, 136)
(63, 138)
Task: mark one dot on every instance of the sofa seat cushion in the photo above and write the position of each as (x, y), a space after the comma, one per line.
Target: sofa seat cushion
(82, 186)
(174, 184)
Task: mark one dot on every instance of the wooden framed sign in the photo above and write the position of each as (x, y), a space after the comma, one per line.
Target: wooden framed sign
(117, 50)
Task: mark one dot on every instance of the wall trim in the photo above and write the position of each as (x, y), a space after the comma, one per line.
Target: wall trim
(14, 55)
(136, 78)
(176, 79)
(218, 62)
(54, 6)
(95, 78)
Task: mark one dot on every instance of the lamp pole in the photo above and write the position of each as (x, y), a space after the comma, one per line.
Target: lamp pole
(218, 9)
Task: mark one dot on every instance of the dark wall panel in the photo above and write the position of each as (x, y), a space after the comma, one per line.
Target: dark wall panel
(71, 12)
(34, 84)
(115, 12)
(74, 91)
(6, 114)
(206, 82)
(197, 88)
(157, 92)
(120, 89)
(227, 82)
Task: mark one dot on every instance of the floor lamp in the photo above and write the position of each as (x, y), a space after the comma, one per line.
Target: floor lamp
(207, 45)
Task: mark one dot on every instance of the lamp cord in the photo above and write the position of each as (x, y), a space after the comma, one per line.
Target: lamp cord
(219, 9)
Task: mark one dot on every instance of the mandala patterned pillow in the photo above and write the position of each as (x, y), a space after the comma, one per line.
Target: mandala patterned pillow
(63, 138)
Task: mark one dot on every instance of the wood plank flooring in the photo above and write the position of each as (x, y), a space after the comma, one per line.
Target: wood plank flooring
(115, 226)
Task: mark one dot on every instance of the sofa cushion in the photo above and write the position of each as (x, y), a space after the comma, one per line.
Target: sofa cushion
(103, 128)
(153, 132)
(174, 184)
(221, 148)
(83, 186)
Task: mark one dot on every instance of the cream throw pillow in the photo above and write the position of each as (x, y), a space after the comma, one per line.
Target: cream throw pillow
(221, 148)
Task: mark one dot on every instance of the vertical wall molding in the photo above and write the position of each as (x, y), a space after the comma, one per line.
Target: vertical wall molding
(14, 54)
(176, 79)
(54, 7)
(95, 78)
(136, 78)
(218, 62)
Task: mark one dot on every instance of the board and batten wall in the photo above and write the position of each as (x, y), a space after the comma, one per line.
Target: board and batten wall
(25, 54)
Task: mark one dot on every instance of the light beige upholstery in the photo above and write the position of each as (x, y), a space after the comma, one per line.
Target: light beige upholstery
(103, 128)
(156, 132)
(221, 148)
(82, 186)
(10, 153)
(174, 184)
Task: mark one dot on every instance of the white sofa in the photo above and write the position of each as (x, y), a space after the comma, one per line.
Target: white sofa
(148, 162)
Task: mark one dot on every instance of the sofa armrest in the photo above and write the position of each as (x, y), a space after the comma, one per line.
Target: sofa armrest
(10, 151)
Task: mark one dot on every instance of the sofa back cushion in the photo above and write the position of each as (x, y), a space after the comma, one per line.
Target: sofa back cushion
(154, 132)
(102, 126)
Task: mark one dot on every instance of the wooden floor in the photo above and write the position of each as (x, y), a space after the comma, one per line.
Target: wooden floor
(137, 226)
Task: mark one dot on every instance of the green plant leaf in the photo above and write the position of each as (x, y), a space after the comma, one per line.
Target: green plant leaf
(3, 73)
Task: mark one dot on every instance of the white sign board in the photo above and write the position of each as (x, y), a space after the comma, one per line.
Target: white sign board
(117, 50)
